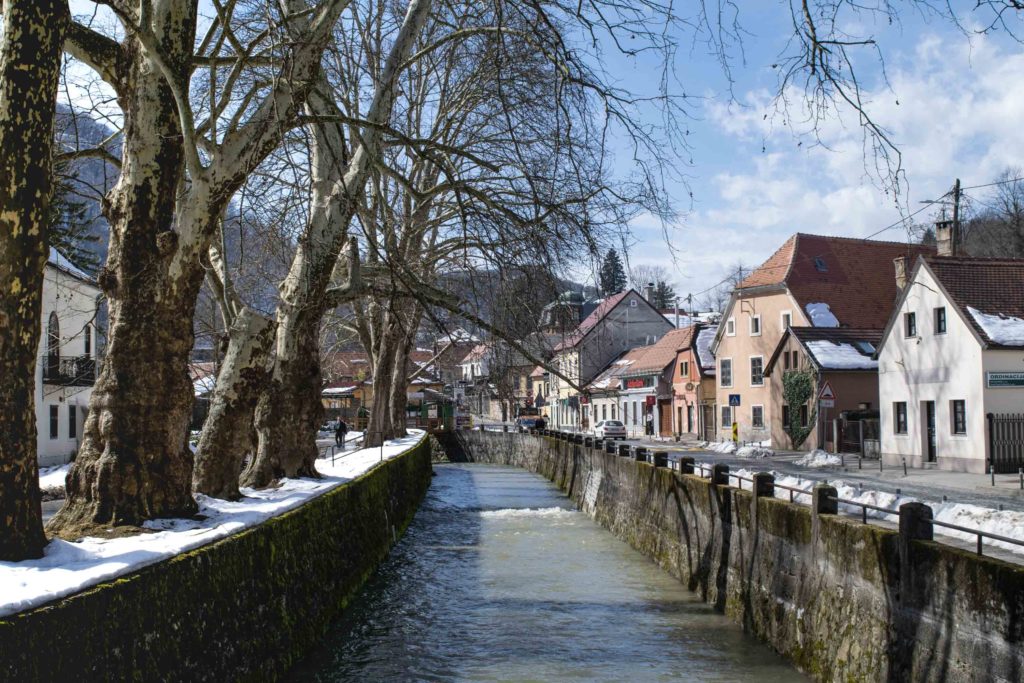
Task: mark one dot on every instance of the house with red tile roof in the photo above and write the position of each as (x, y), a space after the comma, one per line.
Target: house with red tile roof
(693, 382)
(619, 323)
(951, 366)
(811, 281)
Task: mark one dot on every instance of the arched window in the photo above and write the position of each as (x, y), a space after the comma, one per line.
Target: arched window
(53, 345)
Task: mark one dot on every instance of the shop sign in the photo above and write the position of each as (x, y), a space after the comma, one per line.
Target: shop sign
(636, 383)
(997, 380)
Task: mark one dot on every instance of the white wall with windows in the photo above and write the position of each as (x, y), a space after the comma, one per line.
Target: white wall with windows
(67, 363)
(932, 384)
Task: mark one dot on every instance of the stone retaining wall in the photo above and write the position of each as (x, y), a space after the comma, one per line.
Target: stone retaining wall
(246, 607)
(843, 600)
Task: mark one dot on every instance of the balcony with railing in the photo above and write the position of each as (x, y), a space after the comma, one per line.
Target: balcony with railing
(70, 371)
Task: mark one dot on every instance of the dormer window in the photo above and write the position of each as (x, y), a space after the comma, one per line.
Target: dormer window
(819, 265)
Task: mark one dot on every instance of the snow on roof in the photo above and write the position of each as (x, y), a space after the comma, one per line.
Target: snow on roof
(832, 355)
(204, 385)
(821, 315)
(58, 260)
(1004, 330)
(705, 338)
(337, 391)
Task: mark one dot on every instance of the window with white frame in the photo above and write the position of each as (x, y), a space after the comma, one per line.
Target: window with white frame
(757, 371)
(730, 327)
(684, 369)
(755, 326)
(958, 416)
(725, 372)
(726, 417)
(757, 417)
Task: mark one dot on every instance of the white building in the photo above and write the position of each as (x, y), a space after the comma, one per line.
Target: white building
(67, 360)
(951, 356)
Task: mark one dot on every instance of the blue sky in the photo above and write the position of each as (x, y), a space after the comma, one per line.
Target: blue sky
(954, 105)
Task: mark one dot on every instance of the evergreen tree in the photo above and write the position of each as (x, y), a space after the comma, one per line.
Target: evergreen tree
(664, 295)
(70, 225)
(613, 275)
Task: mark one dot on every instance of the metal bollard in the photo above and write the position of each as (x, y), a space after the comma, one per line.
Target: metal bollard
(992, 471)
(1020, 471)
(904, 466)
(588, 441)
(640, 454)
(504, 428)
(623, 451)
(720, 475)
(660, 458)
(686, 465)
(609, 447)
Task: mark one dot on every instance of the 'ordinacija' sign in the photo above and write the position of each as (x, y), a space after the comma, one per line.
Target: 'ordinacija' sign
(1005, 379)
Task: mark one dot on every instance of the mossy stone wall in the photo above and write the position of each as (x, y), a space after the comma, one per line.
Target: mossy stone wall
(842, 600)
(244, 608)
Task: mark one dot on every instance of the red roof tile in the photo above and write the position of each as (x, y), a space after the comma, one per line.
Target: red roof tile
(855, 277)
(992, 286)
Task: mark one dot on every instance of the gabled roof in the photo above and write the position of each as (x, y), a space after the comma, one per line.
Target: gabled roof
(989, 294)
(661, 353)
(538, 371)
(705, 356)
(607, 379)
(478, 352)
(833, 348)
(854, 277)
(63, 264)
(591, 321)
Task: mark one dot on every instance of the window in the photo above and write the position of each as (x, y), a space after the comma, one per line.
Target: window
(819, 265)
(726, 417)
(757, 416)
(604, 411)
(54, 421)
(940, 320)
(684, 369)
(634, 413)
(730, 327)
(88, 340)
(804, 417)
(755, 326)
(796, 360)
(785, 360)
(757, 371)
(613, 411)
(787, 320)
(958, 416)
(725, 372)
(72, 422)
(785, 416)
(899, 417)
(909, 324)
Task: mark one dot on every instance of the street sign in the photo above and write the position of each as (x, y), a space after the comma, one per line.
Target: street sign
(735, 431)
(826, 403)
(1005, 379)
(734, 400)
(826, 393)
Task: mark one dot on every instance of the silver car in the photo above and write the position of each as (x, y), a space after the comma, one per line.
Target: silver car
(610, 429)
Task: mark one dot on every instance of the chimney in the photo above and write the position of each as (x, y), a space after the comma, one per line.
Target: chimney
(901, 272)
(944, 238)
(649, 292)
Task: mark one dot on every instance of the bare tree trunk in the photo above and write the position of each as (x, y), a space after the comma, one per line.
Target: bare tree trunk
(33, 36)
(288, 414)
(134, 463)
(228, 435)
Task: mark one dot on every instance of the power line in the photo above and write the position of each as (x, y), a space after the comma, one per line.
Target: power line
(994, 183)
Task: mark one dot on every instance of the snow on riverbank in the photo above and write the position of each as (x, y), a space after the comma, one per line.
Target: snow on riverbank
(68, 568)
(1009, 523)
(51, 478)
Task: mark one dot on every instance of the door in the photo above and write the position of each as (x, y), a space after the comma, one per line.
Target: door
(689, 419)
(929, 420)
(709, 422)
(665, 417)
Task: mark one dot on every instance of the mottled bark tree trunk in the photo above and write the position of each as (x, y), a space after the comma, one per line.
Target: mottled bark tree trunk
(289, 413)
(33, 36)
(229, 432)
(134, 463)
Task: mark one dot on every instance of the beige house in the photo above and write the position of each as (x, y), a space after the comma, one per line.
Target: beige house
(811, 281)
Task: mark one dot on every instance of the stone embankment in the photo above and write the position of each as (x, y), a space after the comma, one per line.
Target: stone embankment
(244, 608)
(845, 601)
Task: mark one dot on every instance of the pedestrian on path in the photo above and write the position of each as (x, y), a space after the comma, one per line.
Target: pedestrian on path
(340, 432)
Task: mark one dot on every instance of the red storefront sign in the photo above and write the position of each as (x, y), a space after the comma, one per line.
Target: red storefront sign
(636, 383)
(650, 400)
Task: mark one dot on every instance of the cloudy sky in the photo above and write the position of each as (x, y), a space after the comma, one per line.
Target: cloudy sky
(954, 105)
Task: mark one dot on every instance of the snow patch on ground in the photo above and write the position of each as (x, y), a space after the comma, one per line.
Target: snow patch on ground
(53, 477)
(727, 447)
(755, 451)
(1007, 330)
(68, 568)
(819, 458)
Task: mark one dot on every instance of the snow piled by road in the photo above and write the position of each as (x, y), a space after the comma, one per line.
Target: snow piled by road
(68, 568)
(819, 458)
(1008, 523)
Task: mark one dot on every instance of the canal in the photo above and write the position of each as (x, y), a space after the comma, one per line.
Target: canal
(499, 578)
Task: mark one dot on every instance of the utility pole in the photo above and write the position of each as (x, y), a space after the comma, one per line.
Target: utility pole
(955, 237)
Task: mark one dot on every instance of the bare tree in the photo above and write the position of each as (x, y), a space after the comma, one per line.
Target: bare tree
(30, 47)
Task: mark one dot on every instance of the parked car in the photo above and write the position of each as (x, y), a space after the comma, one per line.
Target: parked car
(610, 429)
(527, 421)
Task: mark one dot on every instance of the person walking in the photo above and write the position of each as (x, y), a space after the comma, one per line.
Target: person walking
(340, 432)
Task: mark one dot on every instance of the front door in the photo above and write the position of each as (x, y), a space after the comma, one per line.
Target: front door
(709, 422)
(689, 419)
(929, 421)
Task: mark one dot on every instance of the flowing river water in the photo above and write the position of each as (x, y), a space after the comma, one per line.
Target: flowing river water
(499, 578)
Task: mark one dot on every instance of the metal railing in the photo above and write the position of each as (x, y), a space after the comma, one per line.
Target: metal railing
(70, 371)
(977, 532)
